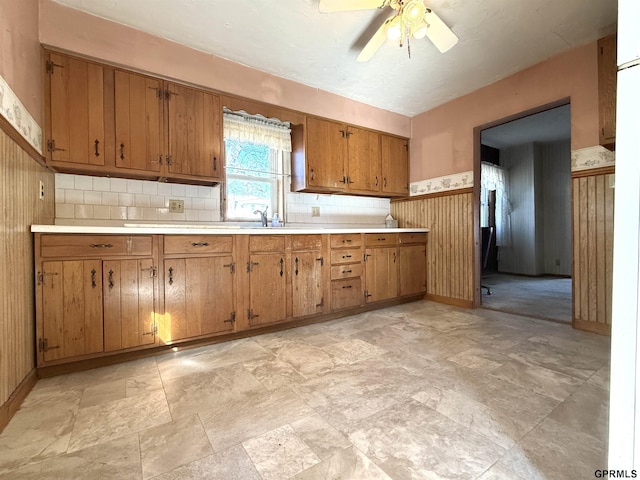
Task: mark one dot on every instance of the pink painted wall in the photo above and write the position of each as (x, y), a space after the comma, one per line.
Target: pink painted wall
(20, 53)
(74, 31)
(442, 138)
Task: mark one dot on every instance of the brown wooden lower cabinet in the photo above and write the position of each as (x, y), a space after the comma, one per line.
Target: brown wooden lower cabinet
(119, 293)
(129, 314)
(71, 309)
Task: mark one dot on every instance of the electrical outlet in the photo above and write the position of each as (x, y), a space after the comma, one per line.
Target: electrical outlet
(41, 191)
(557, 262)
(315, 211)
(176, 206)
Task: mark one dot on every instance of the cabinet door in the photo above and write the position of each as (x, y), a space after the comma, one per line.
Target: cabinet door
(267, 288)
(412, 269)
(76, 111)
(381, 270)
(395, 165)
(607, 82)
(195, 133)
(363, 165)
(138, 122)
(71, 308)
(326, 154)
(129, 319)
(198, 297)
(306, 280)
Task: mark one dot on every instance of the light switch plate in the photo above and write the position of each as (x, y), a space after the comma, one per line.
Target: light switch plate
(41, 190)
(315, 211)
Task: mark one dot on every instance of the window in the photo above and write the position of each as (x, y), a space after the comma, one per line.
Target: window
(256, 153)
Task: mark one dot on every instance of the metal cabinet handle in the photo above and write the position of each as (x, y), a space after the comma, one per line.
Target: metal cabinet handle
(376, 180)
(170, 275)
(394, 257)
(101, 245)
(97, 152)
(346, 256)
(199, 244)
(382, 239)
(384, 182)
(347, 286)
(215, 163)
(347, 271)
(313, 174)
(344, 179)
(110, 279)
(321, 260)
(122, 151)
(296, 267)
(348, 240)
(93, 278)
(281, 267)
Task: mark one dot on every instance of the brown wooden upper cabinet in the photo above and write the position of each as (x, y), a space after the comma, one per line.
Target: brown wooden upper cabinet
(607, 84)
(335, 157)
(105, 121)
(76, 120)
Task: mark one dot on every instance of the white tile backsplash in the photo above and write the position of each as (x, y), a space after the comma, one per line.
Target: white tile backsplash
(102, 198)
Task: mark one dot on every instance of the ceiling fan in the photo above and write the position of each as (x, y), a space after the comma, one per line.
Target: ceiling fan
(410, 19)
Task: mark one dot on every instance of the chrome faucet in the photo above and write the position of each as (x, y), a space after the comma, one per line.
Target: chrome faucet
(263, 215)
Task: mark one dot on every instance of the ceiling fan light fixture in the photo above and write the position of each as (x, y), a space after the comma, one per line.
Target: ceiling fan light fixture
(413, 12)
(394, 28)
(419, 31)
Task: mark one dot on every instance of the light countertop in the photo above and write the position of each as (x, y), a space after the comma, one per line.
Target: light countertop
(208, 229)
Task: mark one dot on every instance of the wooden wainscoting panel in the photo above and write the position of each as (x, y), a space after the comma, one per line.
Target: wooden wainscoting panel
(450, 241)
(19, 183)
(593, 199)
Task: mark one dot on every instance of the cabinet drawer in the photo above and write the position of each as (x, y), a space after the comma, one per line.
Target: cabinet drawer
(267, 243)
(346, 271)
(346, 240)
(197, 244)
(306, 242)
(346, 293)
(74, 245)
(380, 239)
(350, 255)
(412, 237)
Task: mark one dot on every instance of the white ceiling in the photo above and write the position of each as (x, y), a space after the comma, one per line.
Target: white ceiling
(291, 39)
(548, 126)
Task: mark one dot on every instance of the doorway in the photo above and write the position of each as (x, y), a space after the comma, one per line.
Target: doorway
(525, 215)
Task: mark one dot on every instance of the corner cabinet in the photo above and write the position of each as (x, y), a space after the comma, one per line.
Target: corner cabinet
(334, 157)
(106, 121)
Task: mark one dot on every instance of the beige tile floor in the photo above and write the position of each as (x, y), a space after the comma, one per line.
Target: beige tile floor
(417, 391)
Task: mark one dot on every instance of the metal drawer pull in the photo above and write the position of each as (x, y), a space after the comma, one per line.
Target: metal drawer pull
(347, 241)
(101, 245)
(381, 239)
(281, 267)
(346, 256)
(296, 266)
(97, 144)
(347, 286)
(199, 244)
(347, 271)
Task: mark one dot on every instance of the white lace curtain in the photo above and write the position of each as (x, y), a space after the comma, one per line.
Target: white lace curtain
(255, 129)
(493, 177)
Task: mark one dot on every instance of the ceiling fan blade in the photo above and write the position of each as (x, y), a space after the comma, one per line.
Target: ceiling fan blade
(438, 32)
(374, 44)
(328, 6)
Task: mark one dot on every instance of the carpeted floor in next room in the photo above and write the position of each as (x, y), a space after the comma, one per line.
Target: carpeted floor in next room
(539, 297)
(421, 390)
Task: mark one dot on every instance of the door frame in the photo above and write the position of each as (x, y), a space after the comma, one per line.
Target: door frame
(477, 236)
